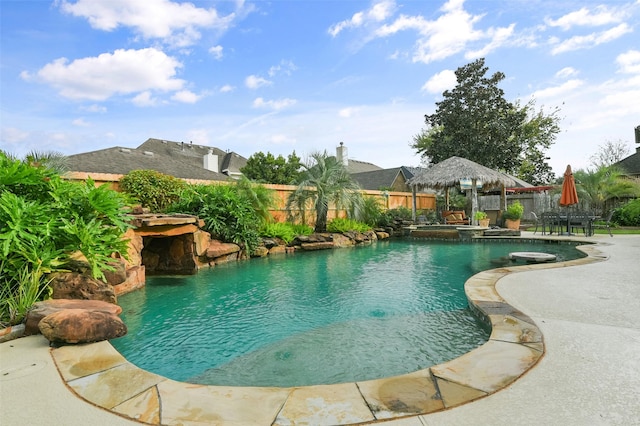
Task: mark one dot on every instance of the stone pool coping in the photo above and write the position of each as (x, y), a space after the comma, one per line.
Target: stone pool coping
(100, 375)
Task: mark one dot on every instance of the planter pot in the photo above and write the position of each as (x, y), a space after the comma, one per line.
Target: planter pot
(484, 222)
(512, 224)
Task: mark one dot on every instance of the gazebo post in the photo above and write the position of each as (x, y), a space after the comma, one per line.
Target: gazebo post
(474, 201)
(413, 203)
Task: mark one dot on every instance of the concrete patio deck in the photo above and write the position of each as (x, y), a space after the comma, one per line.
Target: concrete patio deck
(589, 316)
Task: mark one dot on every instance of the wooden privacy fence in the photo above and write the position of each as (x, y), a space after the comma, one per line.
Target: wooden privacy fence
(388, 199)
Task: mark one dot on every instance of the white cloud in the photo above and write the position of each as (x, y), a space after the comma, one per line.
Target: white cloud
(227, 88)
(186, 96)
(254, 82)
(12, 135)
(216, 51)
(629, 62)
(591, 40)
(145, 99)
(564, 88)
(273, 104)
(584, 17)
(80, 122)
(566, 72)
(95, 108)
(121, 72)
(377, 13)
(348, 112)
(175, 23)
(284, 67)
(440, 82)
(447, 35)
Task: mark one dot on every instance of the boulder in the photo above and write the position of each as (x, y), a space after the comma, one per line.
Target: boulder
(317, 246)
(340, 240)
(40, 310)
(81, 326)
(382, 235)
(219, 249)
(260, 251)
(277, 250)
(201, 239)
(119, 275)
(134, 249)
(72, 285)
(135, 280)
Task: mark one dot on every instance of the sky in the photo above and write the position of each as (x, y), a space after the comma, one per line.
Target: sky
(304, 75)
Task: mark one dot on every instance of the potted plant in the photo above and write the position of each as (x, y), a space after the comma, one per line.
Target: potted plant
(482, 218)
(513, 214)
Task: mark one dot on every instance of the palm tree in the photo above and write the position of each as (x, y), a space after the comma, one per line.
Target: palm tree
(325, 180)
(600, 186)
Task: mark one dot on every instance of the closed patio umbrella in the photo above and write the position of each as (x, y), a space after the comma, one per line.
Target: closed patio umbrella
(569, 195)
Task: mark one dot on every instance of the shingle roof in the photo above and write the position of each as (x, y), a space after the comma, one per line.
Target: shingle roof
(383, 178)
(183, 160)
(631, 164)
(355, 166)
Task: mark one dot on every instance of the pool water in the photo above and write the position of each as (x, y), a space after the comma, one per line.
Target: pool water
(325, 317)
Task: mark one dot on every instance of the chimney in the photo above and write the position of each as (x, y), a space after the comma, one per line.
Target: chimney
(341, 154)
(210, 161)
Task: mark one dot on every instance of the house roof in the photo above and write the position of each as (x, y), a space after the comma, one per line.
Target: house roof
(183, 160)
(631, 164)
(376, 179)
(356, 166)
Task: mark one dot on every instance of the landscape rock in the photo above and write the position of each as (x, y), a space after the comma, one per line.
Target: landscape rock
(119, 275)
(72, 285)
(317, 246)
(81, 326)
(260, 252)
(39, 310)
(219, 249)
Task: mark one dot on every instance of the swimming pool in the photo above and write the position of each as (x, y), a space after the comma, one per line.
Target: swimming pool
(321, 317)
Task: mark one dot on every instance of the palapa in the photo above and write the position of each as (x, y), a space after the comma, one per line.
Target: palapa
(449, 172)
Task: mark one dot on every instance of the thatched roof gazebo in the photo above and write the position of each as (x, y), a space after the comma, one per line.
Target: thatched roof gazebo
(449, 172)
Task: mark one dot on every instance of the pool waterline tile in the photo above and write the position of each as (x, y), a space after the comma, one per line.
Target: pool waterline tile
(100, 375)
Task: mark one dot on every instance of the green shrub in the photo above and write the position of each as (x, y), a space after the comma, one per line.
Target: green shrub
(369, 211)
(228, 214)
(346, 225)
(302, 229)
(152, 189)
(282, 230)
(628, 215)
(44, 220)
(388, 217)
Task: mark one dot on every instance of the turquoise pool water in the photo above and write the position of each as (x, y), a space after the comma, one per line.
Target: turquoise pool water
(314, 318)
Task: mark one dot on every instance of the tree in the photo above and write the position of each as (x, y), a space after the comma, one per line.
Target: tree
(324, 180)
(265, 168)
(609, 153)
(476, 122)
(598, 187)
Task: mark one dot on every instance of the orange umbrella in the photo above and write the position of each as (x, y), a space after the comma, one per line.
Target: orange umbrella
(569, 194)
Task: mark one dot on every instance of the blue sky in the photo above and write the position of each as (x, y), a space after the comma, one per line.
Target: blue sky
(284, 75)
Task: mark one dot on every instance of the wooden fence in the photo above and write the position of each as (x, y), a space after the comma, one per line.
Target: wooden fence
(388, 199)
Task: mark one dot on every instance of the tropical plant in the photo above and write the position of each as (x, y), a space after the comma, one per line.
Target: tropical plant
(44, 222)
(282, 230)
(369, 211)
(152, 189)
(514, 211)
(325, 180)
(341, 225)
(262, 199)
(597, 188)
(228, 213)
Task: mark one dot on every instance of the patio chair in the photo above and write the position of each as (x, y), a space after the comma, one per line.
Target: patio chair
(581, 220)
(535, 221)
(552, 221)
(606, 225)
